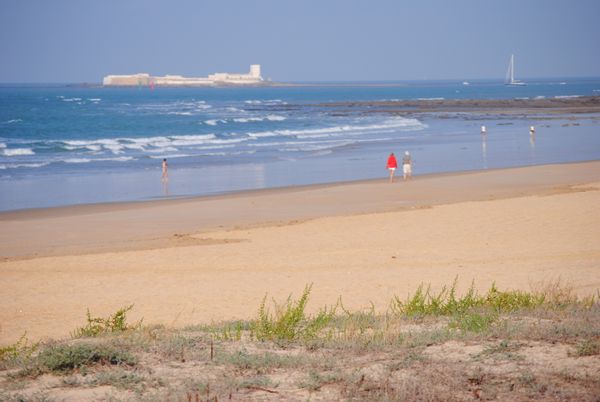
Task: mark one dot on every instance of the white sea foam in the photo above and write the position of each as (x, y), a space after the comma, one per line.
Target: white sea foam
(266, 102)
(567, 96)
(540, 97)
(145, 144)
(87, 160)
(170, 156)
(426, 99)
(399, 123)
(197, 137)
(271, 117)
(77, 160)
(23, 165)
(12, 121)
(94, 99)
(211, 122)
(214, 147)
(71, 99)
(181, 113)
(2, 145)
(17, 152)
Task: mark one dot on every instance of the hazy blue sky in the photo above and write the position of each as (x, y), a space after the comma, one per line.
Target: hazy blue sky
(301, 40)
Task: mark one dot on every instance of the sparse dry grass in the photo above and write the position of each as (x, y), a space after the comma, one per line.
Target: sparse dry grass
(502, 345)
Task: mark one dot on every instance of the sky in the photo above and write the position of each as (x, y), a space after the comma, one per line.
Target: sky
(298, 40)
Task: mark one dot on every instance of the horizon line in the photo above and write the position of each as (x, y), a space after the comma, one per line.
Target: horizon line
(357, 81)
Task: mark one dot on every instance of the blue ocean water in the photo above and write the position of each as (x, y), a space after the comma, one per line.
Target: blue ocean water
(63, 145)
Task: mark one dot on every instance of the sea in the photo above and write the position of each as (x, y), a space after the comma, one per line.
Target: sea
(72, 144)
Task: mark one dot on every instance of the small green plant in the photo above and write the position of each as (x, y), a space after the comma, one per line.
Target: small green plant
(20, 350)
(424, 302)
(232, 331)
(512, 300)
(114, 323)
(473, 321)
(65, 358)
(289, 321)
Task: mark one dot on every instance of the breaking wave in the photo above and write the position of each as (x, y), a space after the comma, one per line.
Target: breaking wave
(399, 123)
(17, 152)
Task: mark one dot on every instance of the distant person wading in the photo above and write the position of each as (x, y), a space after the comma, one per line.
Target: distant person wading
(165, 170)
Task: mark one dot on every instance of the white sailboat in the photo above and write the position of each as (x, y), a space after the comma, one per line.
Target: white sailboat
(510, 74)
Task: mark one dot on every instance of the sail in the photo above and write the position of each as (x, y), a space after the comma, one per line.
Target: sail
(510, 73)
(510, 76)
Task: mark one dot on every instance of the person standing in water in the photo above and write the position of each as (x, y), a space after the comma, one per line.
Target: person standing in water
(407, 165)
(165, 170)
(392, 164)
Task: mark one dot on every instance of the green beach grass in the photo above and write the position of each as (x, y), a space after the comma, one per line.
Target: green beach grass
(431, 345)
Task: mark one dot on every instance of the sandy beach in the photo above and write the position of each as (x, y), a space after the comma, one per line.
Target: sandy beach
(199, 260)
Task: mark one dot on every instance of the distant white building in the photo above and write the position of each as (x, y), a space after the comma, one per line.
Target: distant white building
(251, 78)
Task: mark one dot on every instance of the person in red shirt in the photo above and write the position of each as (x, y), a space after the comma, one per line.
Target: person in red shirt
(392, 164)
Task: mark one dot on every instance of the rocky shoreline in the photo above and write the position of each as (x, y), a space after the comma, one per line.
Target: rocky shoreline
(557, 105)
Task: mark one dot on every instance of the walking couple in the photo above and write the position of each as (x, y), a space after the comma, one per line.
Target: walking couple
(392, 164)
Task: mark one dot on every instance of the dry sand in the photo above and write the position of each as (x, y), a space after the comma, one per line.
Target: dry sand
(214, 258)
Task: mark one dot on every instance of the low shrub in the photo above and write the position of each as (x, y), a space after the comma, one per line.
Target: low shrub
(64, 358)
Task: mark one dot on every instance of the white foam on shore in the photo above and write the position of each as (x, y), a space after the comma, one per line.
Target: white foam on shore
(17, 152)
(567, 96)
(427, 99)
(2, 145)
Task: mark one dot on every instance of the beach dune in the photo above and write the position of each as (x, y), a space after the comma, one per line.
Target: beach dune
(206, 259)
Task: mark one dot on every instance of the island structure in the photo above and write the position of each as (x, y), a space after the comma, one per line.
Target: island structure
(253, 77)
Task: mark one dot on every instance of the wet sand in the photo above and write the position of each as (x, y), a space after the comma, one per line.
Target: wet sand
(214, 258)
